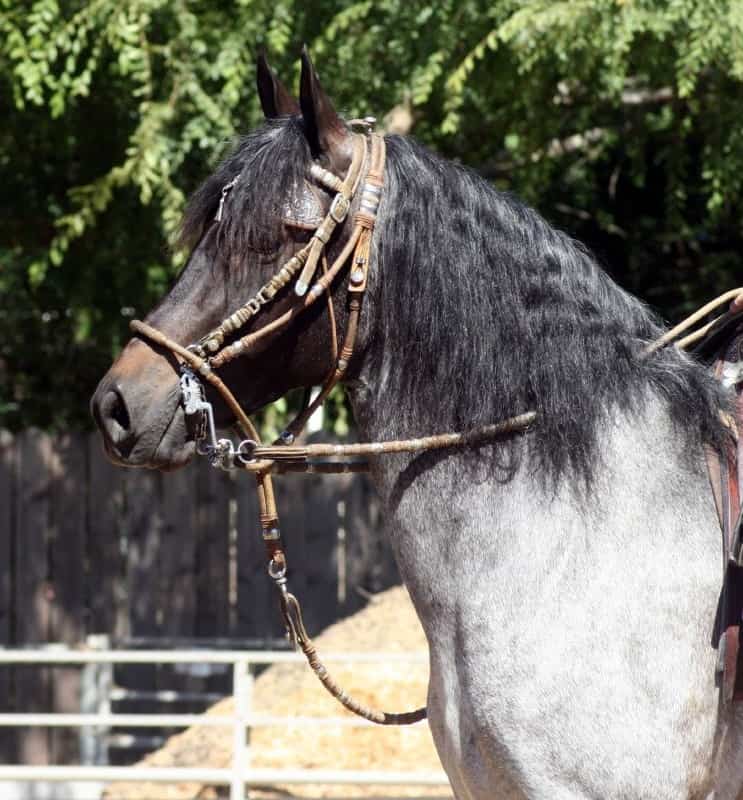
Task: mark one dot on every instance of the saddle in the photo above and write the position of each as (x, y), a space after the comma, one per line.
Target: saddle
(723, 348)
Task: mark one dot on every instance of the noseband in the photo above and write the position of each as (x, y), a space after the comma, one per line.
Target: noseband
(200, 360)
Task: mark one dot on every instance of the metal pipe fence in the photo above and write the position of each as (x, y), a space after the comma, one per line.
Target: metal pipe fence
(239, 776)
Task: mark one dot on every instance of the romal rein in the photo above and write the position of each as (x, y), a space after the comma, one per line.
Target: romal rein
(211, 353)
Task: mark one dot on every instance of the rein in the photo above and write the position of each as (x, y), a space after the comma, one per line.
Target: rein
(200, 360)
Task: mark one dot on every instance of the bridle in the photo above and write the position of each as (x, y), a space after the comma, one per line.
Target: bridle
(201, 360)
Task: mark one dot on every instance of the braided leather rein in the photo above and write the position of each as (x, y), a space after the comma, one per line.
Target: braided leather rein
(200, 360)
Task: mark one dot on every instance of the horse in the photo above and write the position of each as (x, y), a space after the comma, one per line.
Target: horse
(566, 577)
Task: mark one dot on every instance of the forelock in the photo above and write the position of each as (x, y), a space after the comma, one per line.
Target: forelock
(269, 165)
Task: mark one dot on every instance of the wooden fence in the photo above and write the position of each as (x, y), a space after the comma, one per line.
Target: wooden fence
(88, 548)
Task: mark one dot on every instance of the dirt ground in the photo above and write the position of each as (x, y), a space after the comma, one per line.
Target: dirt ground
(387, 624)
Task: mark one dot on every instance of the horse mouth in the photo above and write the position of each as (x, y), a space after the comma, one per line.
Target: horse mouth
(162, 442)
(175, 449)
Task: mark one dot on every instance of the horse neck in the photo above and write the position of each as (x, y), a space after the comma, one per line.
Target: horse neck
(478, 310)
(463, 527)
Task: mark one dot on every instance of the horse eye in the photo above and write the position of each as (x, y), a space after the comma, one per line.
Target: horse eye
(301, 235)
(265, 253)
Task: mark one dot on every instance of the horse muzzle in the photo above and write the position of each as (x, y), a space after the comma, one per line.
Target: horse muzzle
(137, 408)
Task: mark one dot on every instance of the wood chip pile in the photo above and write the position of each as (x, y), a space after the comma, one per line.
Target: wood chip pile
(388, 624)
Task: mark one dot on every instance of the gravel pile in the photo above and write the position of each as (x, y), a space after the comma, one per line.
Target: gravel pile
(387, 624)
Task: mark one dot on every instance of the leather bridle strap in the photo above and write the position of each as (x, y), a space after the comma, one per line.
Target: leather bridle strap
(674, 334)
(247, 343)
(212, 345)
(364, 221)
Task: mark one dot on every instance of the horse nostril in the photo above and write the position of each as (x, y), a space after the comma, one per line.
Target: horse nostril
(114, 416)
(119, 412)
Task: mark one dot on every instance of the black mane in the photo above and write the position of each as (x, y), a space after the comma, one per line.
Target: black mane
(478, 308)
(498, 313)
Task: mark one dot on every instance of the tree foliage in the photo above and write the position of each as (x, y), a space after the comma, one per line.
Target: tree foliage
(618, 119)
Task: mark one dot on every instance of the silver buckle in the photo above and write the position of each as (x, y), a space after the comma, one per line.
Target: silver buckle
(194, 402)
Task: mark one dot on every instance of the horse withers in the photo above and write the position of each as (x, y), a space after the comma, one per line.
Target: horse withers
(567, 579)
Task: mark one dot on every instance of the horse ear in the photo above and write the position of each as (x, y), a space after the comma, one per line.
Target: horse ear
(326, 132)
(275, 98)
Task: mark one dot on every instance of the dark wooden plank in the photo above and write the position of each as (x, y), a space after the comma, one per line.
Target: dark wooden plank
(293, 494)
(213, 492)
(32, 587)
(141, 525)
(8, 736)
(67, 545)
(257, 614)
(141, 528)
(7, 491)
(106, 580)
(32, 536)
(68, 518)
(177, 561)
(316, 571)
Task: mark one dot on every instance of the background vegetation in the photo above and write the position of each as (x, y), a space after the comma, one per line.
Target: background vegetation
(619, 119)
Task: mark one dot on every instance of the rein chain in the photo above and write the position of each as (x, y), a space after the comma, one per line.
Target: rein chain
(200, 360)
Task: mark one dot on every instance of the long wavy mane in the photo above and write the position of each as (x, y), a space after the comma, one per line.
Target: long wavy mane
(494, 312)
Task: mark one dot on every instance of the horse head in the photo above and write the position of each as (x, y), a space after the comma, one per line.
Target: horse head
(257, 212)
